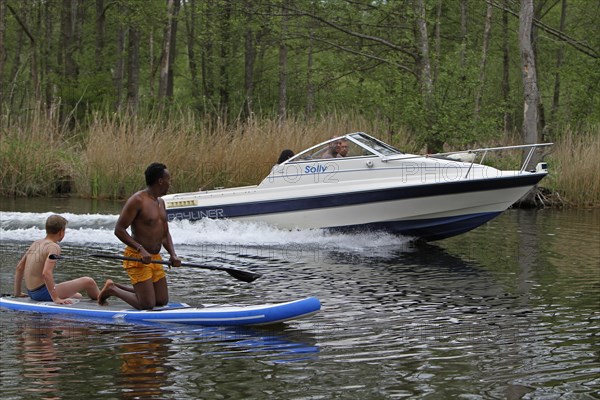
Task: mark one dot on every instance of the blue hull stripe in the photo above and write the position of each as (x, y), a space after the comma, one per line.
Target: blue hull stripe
(352, 198)
(427, 229)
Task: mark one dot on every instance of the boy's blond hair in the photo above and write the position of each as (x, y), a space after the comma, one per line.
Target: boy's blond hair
(55, 223)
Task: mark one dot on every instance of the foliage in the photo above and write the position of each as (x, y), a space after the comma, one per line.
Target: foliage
(94, 69)
(363, 56)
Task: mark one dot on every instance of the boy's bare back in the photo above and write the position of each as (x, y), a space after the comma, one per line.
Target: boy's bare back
(35, 258)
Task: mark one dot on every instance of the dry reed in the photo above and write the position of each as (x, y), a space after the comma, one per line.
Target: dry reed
(575, 168)
(36, 157)
(108, 157)
(205, 155)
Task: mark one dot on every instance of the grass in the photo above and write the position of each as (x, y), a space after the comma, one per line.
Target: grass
(36, 159)
(575, 168)
(107, 157)
(199, 155)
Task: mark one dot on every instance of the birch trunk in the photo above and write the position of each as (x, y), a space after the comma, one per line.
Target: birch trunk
(528, 71)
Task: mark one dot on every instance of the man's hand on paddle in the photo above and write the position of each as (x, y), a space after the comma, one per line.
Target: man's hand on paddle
(145, 256)
(175, 261)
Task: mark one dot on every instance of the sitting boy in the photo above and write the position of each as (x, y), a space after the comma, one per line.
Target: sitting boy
(37, 268)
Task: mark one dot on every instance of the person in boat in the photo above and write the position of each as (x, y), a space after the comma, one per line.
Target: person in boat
(343, 148)
(285, 155)
(37, 268)
(333, 150)
(145, 213)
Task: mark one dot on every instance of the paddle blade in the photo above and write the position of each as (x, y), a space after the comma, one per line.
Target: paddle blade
(243, 275)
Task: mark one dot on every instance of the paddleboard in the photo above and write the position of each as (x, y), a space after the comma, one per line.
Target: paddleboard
(180, 313)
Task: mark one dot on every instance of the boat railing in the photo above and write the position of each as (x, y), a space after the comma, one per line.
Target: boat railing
(484, 151)
(475, 152)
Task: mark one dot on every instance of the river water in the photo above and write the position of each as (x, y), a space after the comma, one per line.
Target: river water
(509, 310)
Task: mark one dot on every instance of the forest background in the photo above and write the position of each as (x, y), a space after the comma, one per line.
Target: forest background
(92, 91)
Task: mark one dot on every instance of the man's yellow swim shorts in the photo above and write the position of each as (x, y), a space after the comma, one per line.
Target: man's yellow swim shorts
(140, 272)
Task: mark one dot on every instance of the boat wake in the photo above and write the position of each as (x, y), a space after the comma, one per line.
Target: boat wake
(97, 230)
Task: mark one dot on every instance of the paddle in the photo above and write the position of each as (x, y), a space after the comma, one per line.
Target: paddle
(236, 273)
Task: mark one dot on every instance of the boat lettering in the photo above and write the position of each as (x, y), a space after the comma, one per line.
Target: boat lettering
(315, 169)
(194, 215)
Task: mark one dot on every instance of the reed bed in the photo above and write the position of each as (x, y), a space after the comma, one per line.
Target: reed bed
(205, 154)
(36, 158)
(107, 157)
(575, 168)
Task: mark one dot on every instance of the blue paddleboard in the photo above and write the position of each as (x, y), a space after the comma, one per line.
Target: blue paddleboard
(180, 313)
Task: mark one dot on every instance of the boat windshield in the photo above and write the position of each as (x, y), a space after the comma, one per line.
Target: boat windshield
(357, 144)
(374, 144)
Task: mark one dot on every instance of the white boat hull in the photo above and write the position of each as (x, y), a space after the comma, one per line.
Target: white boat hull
(423, 197)
(425, 216)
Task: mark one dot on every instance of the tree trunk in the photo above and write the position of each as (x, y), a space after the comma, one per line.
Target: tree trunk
(173, 48)
(206, 58)
(463, 37)
(528, 71)
(224, 48)
(133, 70)
(507, 118)
(2, 52)
(559, 60)
(191, 47)
(68, 40)
(434, 143)
(35, 63)
(487, 30)
(537, 16)
(281, 109)
(438, 40)
(166, 56)
(49, 88)
(100, 32)
(152, 66)
(310, 88)
(67, 50)
(119, 71)
(249, 57)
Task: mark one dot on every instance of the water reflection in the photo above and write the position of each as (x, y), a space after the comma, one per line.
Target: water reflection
(43, 362)
(274, 344)
(144, 371)
(41, 365)
(509, 310)
(53, 357)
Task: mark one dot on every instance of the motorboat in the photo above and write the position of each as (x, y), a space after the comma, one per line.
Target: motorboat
(373, 187)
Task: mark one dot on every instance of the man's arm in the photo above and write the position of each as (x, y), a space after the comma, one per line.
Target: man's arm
(167, 241)
(128, 213)
(20, 271)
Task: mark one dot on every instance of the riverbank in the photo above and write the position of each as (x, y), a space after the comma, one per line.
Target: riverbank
(106, 159)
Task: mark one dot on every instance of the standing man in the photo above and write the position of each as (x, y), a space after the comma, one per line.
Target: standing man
(145, 213)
